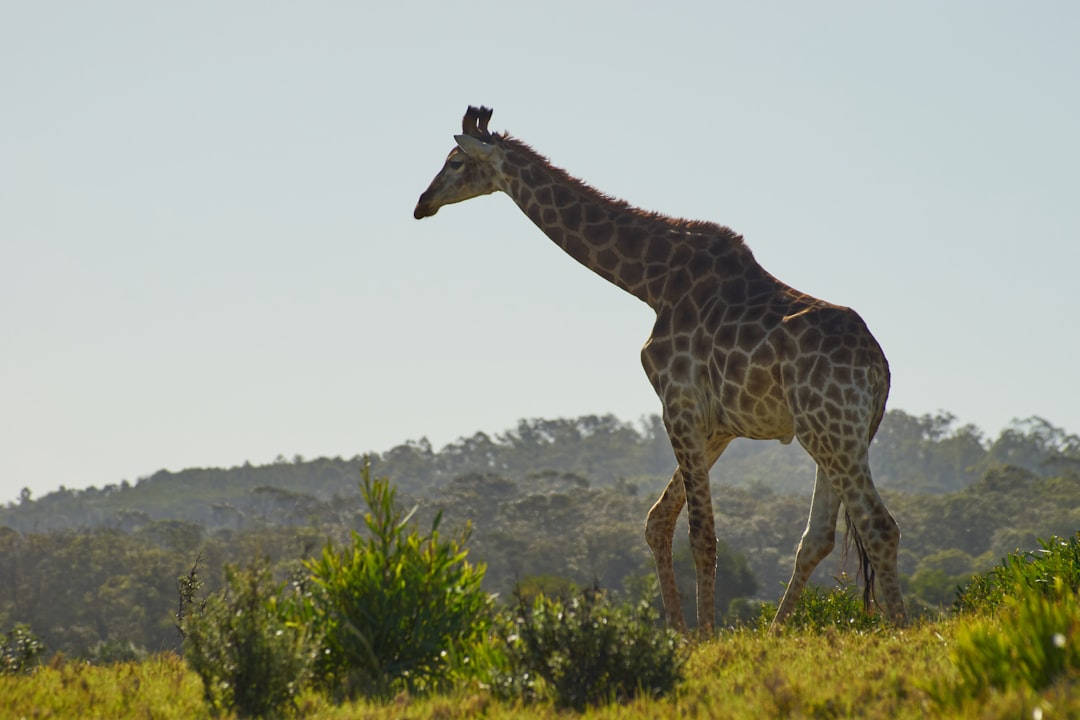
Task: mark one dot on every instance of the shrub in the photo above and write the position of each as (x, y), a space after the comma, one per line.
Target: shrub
(20, 650)
(840, 607)
(240, 642)
(590, 651)
(1022, 625)
(1034, 641)
(1039, 571)
(397, 610)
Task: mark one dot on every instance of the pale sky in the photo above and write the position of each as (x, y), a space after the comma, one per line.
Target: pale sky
(208, 255)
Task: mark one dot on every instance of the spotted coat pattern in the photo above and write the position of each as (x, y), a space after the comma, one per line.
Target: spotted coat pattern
(734, 353)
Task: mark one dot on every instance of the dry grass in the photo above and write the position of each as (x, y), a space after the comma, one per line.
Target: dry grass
(742, 674)
(160, 687)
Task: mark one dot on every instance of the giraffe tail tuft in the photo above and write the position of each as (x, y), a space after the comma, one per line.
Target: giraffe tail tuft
(866, 569)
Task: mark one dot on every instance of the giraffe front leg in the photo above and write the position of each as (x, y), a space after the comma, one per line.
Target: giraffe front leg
(659, 532)
(703, 546)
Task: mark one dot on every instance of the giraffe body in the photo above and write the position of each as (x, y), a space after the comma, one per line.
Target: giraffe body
(734, 353)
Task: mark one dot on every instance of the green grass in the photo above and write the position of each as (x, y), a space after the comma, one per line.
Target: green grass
(1011, 650)
(160, 687)
(740, 674)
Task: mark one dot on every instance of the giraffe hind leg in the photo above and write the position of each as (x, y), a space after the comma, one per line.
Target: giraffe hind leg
(872, 528)
(818, 540)
(880, 537)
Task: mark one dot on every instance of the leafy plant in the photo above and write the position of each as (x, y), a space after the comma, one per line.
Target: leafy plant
(241, 643)
(1020, 625)
(840, 607)
(1041, 571)
(1034, 641)
(398, 609)
(20, 650)
(590, 651)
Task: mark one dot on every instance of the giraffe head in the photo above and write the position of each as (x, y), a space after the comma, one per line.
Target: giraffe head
(469, 170)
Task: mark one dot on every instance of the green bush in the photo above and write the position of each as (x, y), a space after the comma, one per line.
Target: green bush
(1039, 571)
(1034, 640)
(1020, 625)
(20, 650)
(589, 651)
(398, 610)
(241, 643)
(840, 607)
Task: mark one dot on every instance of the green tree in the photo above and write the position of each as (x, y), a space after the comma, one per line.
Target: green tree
(1037, 446)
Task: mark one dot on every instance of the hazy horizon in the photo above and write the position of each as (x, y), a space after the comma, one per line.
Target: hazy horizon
(208, 255)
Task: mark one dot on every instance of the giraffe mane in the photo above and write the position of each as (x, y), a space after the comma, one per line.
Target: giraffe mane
(702, 227)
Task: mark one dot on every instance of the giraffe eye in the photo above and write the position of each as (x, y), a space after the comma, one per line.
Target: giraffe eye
(456, 164)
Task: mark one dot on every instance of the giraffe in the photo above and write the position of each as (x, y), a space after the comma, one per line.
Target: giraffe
(734, 352)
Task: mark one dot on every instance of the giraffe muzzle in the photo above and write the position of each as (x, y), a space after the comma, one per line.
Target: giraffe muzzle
(424, 208)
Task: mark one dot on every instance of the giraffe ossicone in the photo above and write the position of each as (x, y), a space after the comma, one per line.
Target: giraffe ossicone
(734, 352)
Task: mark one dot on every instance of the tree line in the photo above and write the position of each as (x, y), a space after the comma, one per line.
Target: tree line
(550, 502)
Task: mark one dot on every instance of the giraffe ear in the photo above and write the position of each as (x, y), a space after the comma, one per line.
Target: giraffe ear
(473, 147)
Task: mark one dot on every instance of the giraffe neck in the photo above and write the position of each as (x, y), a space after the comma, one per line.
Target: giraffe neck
(643, 253)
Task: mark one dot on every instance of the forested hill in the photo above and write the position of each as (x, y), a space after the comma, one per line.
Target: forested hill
(549, 502)
(928, 454)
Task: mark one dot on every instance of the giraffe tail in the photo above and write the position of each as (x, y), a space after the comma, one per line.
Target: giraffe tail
(866, 569)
